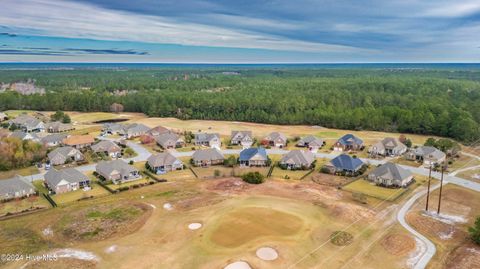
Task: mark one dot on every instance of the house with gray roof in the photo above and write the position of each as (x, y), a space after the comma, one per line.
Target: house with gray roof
(311, 142)
(208, 140)
(118, 171)
(391, 175)
(112, 128)
(243, 138)
(207, 157)
(164, 162)
(348, 142)
(63, 155)
(430, 156)
(135, 130)
(15, 187)
(58, 127)
(346, 164)
(158, 130)
(107, 147)
(25, 136)
(253, 157)
(275, 139)
(169, 140)
(389, 146)
(297, 159)
(28, 123)
(65, 180)
(53, 140)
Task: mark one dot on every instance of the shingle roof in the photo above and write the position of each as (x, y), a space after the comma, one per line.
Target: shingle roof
(22, 135)
(346, 162)
(391, 171)
(58, 126)
(275, 135)
(136, 128)
(247, 154)
(26, 120)
(350, 139)
(15, 184)
(427, 151)
(63, 151)
(165, 137)
(71, 175)
(312, 140)
(207, 155)
(158, 130)
(54, 138)
(107, 167)
(161, 159)
(298, 157)
(105, 145)
(241, 134)
(206, 137)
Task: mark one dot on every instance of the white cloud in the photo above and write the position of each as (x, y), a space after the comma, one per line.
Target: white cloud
(451, 9)
(78, 20)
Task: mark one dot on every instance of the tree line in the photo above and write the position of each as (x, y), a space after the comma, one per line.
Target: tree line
(438, 103)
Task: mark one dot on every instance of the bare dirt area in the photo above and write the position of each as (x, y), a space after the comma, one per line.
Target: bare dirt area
(102, 222)
(448, 230)
(329, 180)
(64, 263)
(398, 244)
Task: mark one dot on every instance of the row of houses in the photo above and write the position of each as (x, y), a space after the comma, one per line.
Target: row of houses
(30, 124)
(66, 154)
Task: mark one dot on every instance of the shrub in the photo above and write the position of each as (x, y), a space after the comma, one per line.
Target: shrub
(231, 161)
(216, 173)
(325, 170)
(341, 238)
(130, 162)
(474, 231)
(253, 178)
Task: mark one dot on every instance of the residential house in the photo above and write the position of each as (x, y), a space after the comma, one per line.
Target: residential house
(311, 142)
(58, 127)
(208, 139)
(275, 139)
(112, 128)
(207, 157)
(25, 136)
(156, 131)
(348, 142)
(389, 146)
(53, 140)
(108, 147)
(164, 162)
(297, 159)
(61, 181)
(169, 140)
(253, 157)
(16, 187)
(79, 141)
(344, 164)
(64, 155)
(118, 171)
(430, 156)
(391, 175)
(134, 130)
(28, 123)
(243, 138)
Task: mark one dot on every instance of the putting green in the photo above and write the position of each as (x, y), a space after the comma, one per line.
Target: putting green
(241, 226)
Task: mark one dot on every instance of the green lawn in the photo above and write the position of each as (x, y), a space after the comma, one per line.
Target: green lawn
(19, 205)
(72, 196)
(370, 189)
(280, 173)
(31, 170)
(140, 181)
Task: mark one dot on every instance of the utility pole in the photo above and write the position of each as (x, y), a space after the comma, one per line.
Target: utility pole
(428, 188)
(441, 185)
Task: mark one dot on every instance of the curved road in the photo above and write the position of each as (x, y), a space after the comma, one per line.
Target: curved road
(143, 154)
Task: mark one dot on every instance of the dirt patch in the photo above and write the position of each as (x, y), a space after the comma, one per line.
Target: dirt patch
(350, 212)
(398, 244)
(229, 185)
(341, 238)
(329, 180)
(431, 226)
(198, 201)
(466, 256)
(102, 222)
(64, 263)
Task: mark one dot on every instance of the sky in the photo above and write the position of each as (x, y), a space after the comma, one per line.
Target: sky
(240, 31)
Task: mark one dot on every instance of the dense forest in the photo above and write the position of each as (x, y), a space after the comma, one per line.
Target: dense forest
(427, 101)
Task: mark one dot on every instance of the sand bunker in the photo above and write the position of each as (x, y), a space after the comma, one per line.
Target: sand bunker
(267, 254)
(167, 206)
(194, 226)
(238, 265)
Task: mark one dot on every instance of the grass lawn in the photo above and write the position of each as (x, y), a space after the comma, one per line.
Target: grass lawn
(31, 170)
(184, 174)
(403, 161)
(20, 205)
(462, 162)
(370, 189)
(92, 130)
(140, 181)
(296, 174)
(473, 174)
(72, 196)
(239, 171)
(208, 172)
(40, 187)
